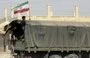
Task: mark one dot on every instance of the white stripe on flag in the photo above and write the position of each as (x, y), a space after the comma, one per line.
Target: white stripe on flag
(21, 9)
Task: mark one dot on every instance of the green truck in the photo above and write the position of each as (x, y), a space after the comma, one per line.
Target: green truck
(48, 39)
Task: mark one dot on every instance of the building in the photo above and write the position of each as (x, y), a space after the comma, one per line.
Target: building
(74, 18)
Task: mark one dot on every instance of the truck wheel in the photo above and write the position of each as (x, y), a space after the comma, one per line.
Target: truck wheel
(55, 56)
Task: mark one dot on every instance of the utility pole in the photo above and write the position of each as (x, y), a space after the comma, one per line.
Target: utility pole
(5, 14)
(49, 12)
(12, 13)
(76, 14)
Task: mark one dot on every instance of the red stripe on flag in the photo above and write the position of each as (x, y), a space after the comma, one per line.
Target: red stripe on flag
(21, 11)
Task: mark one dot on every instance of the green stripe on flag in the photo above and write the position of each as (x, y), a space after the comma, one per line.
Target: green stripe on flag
(21, 5)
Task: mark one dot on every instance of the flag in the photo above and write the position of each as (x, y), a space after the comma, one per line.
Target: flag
(21, 8)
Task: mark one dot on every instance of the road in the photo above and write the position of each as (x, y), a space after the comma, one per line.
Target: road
(5, 55)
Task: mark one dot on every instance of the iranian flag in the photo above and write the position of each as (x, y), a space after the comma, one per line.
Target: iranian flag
(21, 8)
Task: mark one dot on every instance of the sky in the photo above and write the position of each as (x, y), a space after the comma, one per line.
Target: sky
(39, 7)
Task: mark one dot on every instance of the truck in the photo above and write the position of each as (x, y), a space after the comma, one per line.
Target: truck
(48, 39)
